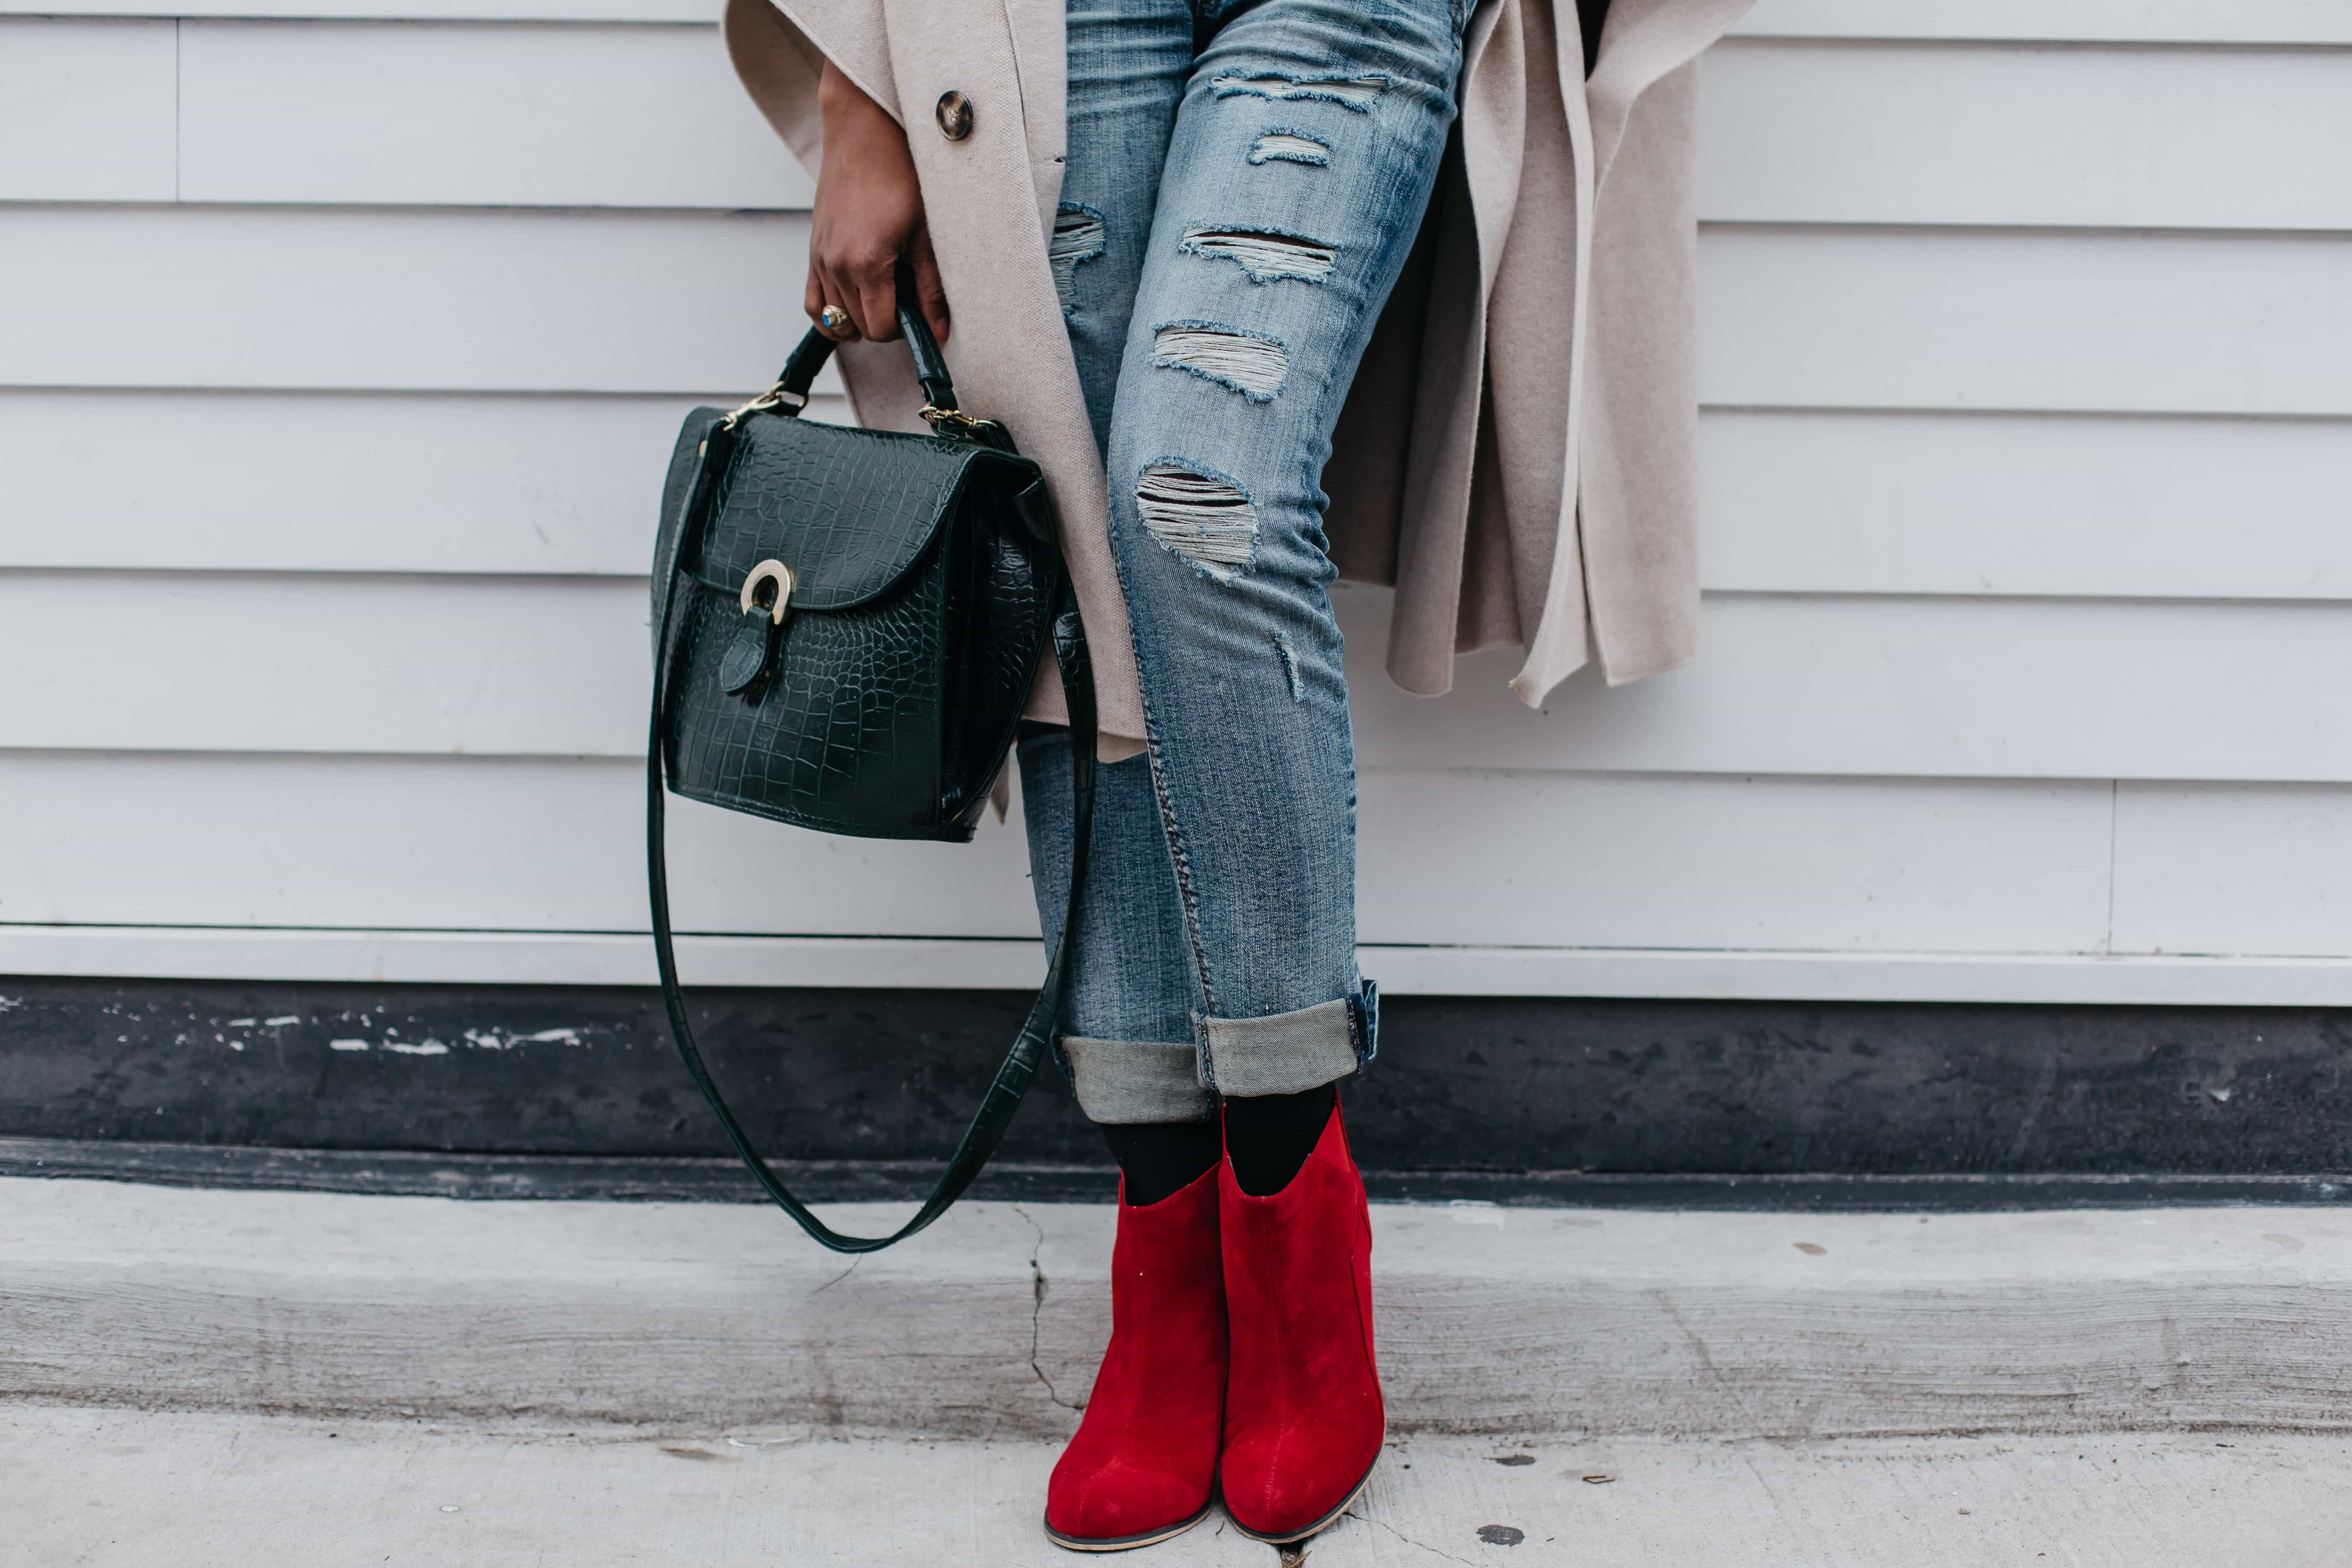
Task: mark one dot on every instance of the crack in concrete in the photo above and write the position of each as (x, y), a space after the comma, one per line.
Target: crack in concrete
(1753, 1426)
(1037, 1309)
(1409, 1540)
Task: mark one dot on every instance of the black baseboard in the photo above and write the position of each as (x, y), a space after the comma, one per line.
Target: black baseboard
(1467, 1089)
(408, 1173)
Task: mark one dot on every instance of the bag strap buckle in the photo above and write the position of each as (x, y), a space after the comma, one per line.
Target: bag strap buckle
(778, 396)
(956, 422)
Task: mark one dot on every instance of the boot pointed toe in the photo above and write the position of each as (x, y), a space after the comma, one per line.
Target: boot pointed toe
(1144, 1461)
(1106, 1506)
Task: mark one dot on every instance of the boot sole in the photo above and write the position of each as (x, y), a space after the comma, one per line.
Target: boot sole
(1127, 1543)
(1293, 1537)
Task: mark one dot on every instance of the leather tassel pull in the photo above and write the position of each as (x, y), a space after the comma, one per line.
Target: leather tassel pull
(750, 656)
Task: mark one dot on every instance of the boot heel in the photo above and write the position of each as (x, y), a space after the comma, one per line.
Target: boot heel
(1304, 1414)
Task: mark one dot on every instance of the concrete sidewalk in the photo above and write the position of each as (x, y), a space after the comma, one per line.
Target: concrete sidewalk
(990, 1325)
(117, 1489)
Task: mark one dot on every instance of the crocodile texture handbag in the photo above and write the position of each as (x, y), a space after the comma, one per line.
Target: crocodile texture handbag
(847, 624)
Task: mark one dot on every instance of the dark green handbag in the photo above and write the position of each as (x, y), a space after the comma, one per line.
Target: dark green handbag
(847, 624)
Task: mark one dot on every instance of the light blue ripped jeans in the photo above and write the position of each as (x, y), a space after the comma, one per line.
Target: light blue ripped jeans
(1245, 179)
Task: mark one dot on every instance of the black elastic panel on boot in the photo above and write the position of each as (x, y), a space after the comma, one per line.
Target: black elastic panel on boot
(1269, 1136)
(1160, 1159)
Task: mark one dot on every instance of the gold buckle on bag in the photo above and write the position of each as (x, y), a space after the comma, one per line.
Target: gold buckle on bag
(780, 575)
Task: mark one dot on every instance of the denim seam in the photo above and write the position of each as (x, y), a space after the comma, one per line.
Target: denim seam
(1185, 896)
(1364, 1014)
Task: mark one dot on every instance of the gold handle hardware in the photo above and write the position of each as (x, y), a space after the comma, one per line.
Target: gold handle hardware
(955, 422)
(792, 403)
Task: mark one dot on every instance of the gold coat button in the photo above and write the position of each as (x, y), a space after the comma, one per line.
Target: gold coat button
(954, 115)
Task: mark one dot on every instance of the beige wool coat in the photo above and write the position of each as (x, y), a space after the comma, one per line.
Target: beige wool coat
(1518, 453)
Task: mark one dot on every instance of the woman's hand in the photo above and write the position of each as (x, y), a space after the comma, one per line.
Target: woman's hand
(869, 217)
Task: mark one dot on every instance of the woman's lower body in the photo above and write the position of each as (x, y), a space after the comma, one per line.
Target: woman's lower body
(1243, 184)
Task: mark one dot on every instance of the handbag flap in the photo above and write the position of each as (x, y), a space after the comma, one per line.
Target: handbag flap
(848, 511)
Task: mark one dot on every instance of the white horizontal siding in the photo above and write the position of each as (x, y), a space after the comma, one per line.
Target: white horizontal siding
(2116, 21)
(1831, 501)
(2234, 869)
(1732, 863)
(1957, 318)
(450, 843)
(2024, 482)
(293, 663)
(86, 111)
(2058, 21)
(1923, 686)
(537, 116)
(634, 302)
(262, 482)
(1789, 684)
(455, 843)
(655, 13)
(370, 299)
(1816, 501)
(589, 116)
(1993, 134)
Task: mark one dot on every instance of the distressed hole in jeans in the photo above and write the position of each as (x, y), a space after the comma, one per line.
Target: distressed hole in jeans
(1077, 237)
(1265, 256)
(1207, 520)
(1289, 147)
(1251, 364)
(1290, 663)
(1357, 92)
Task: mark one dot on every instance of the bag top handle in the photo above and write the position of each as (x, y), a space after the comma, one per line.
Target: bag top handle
(931, 367)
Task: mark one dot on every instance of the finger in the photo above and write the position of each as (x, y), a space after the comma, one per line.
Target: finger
(813, 301)
(929, 292)
(876, 302)
(843, 329)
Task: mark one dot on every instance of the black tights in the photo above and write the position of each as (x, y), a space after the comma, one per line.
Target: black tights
(1269, 1136)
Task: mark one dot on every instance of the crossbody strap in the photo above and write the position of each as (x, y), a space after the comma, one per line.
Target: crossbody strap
(1029, 1048)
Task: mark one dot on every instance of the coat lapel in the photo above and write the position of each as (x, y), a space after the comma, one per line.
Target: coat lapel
(1041, 69)
(1008, 348)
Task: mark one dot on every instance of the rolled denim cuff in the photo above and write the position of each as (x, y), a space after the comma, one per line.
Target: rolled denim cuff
(1121, 1081)
(1288, 1053)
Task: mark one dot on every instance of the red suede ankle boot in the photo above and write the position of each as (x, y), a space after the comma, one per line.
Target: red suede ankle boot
(1144, 1462)
(1304, 1419)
